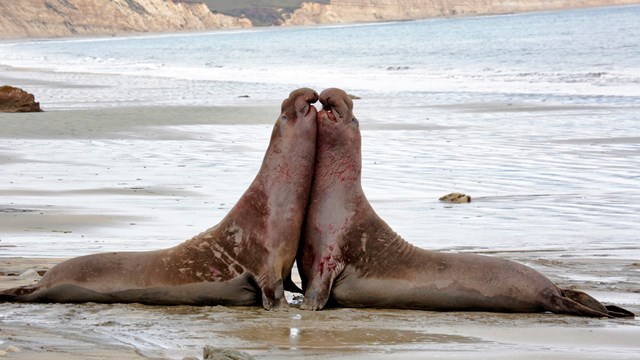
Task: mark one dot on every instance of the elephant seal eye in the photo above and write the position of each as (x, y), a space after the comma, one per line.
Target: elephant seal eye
(355, 121)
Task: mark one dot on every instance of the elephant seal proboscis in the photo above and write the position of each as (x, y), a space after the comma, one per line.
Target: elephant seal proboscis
(350, 257)
(244, 260)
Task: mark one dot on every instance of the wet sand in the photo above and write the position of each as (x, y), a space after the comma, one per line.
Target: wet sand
(63, 205)
(88, 331)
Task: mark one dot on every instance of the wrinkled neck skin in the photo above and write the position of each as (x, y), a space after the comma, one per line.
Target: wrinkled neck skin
(338, 167)
(283, 184)
(339, 217)
(260, 234)
(336, 192)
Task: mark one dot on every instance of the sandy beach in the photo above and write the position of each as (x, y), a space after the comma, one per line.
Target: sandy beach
(146, 141)
(76, 209)
(96, 331)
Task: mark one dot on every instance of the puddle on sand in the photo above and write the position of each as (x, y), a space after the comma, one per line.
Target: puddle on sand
(309, 337)
(183, 331)
(176, 332)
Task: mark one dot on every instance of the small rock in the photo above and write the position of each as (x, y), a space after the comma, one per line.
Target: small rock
(354, 97)
(211, 353)
(9, 273)
(15, 100)
(396, 68)
(456, 198)
(30, 273)
(12, 349)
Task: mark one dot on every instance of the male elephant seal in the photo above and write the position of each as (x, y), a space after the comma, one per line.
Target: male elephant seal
(351, 257)
(244, 260)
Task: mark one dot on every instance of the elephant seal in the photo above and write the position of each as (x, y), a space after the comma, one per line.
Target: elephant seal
(244, 260)
(349, 257)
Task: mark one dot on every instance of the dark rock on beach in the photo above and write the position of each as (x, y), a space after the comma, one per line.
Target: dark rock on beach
(211, 353)
(456, 198)
(15, 100)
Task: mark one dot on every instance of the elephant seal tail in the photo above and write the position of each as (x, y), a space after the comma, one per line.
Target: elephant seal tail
(578, 303)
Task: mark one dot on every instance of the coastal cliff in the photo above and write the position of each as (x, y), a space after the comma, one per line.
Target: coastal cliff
(55, 18)
(58, 18)
(354, 11)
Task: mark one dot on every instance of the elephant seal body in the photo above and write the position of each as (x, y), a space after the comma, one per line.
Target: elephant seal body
(350, 257)
(244, 260)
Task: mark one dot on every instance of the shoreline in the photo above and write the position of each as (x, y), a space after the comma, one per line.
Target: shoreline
(71, 123)
(48, 84)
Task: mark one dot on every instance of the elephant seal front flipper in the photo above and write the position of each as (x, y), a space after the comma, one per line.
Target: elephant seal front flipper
(244, 260)
(350, 257)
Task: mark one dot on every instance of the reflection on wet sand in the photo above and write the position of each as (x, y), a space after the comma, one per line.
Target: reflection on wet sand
(178, 332)
(331, 339)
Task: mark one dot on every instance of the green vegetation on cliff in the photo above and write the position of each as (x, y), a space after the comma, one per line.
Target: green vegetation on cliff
(260, 12)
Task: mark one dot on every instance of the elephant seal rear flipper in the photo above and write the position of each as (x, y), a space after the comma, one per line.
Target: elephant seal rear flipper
(586, 300)
(618, 312)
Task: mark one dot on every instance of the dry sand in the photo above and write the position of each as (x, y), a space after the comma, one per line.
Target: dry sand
(96, 331)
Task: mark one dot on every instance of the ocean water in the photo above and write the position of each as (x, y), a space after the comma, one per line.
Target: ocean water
(589, 56)
(533, 115)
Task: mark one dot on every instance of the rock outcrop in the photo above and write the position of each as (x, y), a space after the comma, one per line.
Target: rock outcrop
(352, 11)
(14, 100)
(55, 18)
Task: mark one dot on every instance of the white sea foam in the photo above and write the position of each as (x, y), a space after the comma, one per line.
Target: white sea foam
(595, 55)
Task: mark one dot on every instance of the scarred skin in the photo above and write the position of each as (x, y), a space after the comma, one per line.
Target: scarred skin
(350, 257)
(244, 260)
